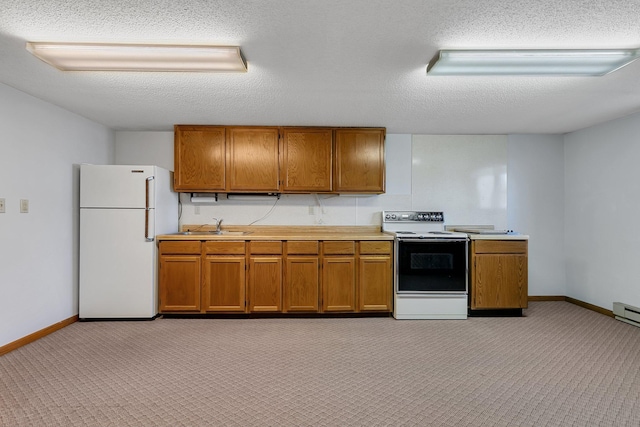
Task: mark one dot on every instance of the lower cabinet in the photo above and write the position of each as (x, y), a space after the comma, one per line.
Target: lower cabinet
(373, 283)
(265, 284)
(179, 276)
(499, 274)
(265, 276)
(339, 276)
(223, 283)
(339, 284)
(357, 276)
(302, 277)
(275, 276)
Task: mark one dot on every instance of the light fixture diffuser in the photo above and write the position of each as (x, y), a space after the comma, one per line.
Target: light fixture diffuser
(139, 57)
(554, 62)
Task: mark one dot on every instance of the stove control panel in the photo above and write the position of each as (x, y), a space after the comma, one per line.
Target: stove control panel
(412, 216)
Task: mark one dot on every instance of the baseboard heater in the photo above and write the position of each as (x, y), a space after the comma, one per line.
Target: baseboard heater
(627, 313)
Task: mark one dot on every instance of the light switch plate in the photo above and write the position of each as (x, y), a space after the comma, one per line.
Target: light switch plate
(24, 205)
(2, 208)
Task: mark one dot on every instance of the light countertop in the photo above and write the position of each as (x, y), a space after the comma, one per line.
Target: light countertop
(487, 232)
(508, 236)
(280, 233)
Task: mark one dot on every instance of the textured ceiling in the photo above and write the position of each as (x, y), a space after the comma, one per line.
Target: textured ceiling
(330, 62)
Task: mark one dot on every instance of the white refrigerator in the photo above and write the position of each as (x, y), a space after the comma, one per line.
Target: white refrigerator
(122, 208)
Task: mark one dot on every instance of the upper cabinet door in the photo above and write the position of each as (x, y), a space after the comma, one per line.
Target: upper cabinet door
(252, 159)
(199, 158)
(306, 160)
(359, 164)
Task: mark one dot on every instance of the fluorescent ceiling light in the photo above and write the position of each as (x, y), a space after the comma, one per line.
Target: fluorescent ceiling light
(139, 57)
(558, 62)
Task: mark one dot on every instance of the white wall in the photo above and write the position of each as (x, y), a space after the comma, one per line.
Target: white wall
(40, 150)
(536, 207)
(465, 176)
(144, 148)
(602, 206)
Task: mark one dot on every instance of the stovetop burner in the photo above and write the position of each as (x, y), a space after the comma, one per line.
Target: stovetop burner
(422, 232)
(417, 225)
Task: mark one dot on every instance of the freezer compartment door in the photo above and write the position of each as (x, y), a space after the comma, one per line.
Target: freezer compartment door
(117, 265)
(117, 186)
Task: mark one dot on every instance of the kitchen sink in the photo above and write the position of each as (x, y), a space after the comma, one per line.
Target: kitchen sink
(215, 233)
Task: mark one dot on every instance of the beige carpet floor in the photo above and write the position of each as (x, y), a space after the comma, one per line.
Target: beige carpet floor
(560, 365)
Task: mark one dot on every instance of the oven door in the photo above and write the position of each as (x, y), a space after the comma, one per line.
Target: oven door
(431, 266)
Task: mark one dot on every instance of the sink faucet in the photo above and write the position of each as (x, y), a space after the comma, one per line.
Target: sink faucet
(218, 223)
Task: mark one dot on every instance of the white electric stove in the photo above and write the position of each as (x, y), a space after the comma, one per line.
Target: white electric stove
(430, 268)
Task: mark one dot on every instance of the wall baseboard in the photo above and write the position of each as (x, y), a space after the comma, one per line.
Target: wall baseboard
(572, 301)
(547, 298)
(591, 307)
(36, 335)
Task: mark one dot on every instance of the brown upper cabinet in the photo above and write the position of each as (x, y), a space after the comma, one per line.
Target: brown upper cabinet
(307, 155)
(226, 159)
(359, 165)
(199, 158)
(272, 159)
(252, 159)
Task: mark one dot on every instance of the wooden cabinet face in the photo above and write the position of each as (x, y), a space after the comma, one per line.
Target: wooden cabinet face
(199, 158)
(252, 159)
(339, 247)
(303, 247)
(375, 283)
(265, 283)
(500, 281)
(499, 246)
(302, 283)
(359, 163)
(224, 283)
(307, 160)
(499, 274)
(224, 248)
(339, 283)
(375, 247)
(179, 283)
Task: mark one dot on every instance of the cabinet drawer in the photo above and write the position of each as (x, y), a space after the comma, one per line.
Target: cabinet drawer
(267, 248)
(224, 248)
(500, 246)
(179, 248)
(375, 247)
(302, 247)
(339, 247)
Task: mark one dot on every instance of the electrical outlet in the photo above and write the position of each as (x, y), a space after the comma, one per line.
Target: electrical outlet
(311, 210)
(24, 205)
(196, 210)
(2, 208)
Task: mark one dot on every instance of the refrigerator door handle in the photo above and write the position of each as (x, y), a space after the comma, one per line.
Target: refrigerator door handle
(147, 208)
